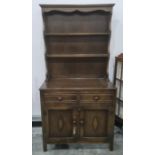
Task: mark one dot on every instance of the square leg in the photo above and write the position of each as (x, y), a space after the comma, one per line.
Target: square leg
(44, 145)
(111, 143)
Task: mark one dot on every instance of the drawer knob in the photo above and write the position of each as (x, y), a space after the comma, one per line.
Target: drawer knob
(96, 98)
(81, 122)
(74, 122)
(79, 109)
(60, 98)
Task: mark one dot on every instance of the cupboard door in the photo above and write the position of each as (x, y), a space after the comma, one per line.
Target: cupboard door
(61, 124)
(93, 123)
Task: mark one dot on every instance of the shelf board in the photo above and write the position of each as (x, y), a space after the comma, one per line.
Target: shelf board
(77, 55)
(119, 79)
(77, 34)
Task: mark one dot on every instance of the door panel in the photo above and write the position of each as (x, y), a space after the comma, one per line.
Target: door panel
(60, 123)
(94, 123)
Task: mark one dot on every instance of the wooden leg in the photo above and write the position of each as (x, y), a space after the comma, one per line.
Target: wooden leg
(111, 143)
(44, 145)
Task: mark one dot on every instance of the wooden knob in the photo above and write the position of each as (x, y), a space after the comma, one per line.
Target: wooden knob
(74, 131)
(74, 122)
(60, 98)
(81, 122)
(79, 109)
(96, 98)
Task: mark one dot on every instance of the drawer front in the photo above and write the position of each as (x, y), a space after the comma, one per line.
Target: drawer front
(78, 97)
(60, 98)
(96, 98)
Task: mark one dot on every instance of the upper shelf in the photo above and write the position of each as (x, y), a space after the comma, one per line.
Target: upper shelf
(77, 55)
(77, 34)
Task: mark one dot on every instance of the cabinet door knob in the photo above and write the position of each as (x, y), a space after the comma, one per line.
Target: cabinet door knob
(74, 131)
(96, 98)
(60, 98)
(81, 122)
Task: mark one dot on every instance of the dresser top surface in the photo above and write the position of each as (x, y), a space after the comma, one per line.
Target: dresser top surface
(77, 84)
(77, 5)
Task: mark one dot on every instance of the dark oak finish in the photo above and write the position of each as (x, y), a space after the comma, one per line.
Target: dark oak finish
(77, 99)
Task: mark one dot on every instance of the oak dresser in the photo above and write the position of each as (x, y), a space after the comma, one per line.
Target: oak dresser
(77, 99)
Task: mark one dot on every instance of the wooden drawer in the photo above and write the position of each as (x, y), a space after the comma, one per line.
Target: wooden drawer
(60, 98)
(87, 98)
(96, 98)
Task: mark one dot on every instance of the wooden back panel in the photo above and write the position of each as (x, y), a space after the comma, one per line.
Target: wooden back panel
(77, 22)
(77, 44)
(77, 68)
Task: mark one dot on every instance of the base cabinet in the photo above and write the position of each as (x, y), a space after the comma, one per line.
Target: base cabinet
(77, 121)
